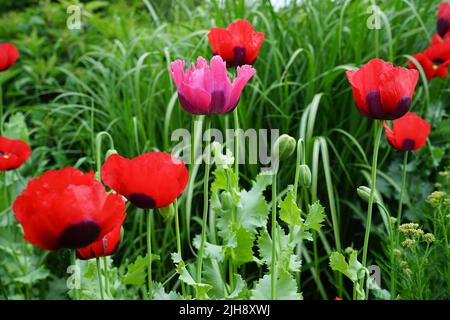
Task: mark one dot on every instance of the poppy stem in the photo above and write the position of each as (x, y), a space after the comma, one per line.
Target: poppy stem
(105, 271)
(205, 201)
(99, 275)
(236, 143)
(149, 253)
(273, 234)
(397, 224)
(73, 262)
(177, 232)
(378, 130)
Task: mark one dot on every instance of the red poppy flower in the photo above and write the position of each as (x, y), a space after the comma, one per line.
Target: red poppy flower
(151, 180)
(382, 91)
(443, 23)
(67, 208)
(238, 44)
(437, 39)
(434, 61)
(13, 153)
(104, 247)
(410, 132)
(8, 55)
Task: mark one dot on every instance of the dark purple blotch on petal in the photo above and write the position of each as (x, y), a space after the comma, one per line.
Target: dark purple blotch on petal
(443, 26)
(238, 56)
(373, 101)
(142, 201)
(217, 104)
(79, 235)
(408, 144)
(401, 109)
(186, 104)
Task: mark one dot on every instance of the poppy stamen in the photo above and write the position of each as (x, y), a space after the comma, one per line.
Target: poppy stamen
(79, 235)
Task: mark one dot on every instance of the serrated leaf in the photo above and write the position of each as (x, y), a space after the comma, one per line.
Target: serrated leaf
(253, 209)
(137, 271)
(33, 276)
(212, 251)
(160, 294)
(289, 211)
(286, 288)
(351, 270)
(244, 248)
(315, 216)
(16, 127)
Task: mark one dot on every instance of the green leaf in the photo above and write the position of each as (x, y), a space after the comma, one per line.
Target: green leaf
(315, 216)
(185, 276)
(212, 251)
(351, 270)
(253, 210)
(34, 276)
(289, 211)
(16, 127)
(137, 271)
(286, 288)
(244, 248)
(160, 294)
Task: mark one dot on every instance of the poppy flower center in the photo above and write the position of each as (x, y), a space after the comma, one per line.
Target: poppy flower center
(5, 155)
(79, 235)
(142, 201)
(408, 144)
(443, 25)
(238, 56)
(373, 101)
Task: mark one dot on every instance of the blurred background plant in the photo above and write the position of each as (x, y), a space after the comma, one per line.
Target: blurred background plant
(111, 75)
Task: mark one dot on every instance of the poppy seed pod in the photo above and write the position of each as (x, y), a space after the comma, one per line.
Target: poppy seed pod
(283, 147)
(364, 193)
(304, 176)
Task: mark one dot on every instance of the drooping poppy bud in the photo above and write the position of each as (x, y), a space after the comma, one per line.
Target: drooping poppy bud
(151, 180)
(238, 44)
(382, 91)
(104, 247)
(408, 133)
(284, 147)
(364, 194)
(205, 89)
(67, 208)
(434, 60)
(13, 153)
(304, 176)
(8, 55)
(443, 23)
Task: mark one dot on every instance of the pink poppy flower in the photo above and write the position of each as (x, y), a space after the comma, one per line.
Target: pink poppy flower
(207, 89)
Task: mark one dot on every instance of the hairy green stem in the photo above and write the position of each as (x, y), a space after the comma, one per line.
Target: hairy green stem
(73, 262)
(236, 143)
(205, 201)
(177, 232)
(273, 234)
(394, 231)
(149, 253)
(99, 275)
(378, 130)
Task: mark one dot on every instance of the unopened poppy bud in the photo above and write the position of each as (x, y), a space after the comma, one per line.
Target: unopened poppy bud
(284, 147)
(227, 200)
(304, 176)
(364, 193)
